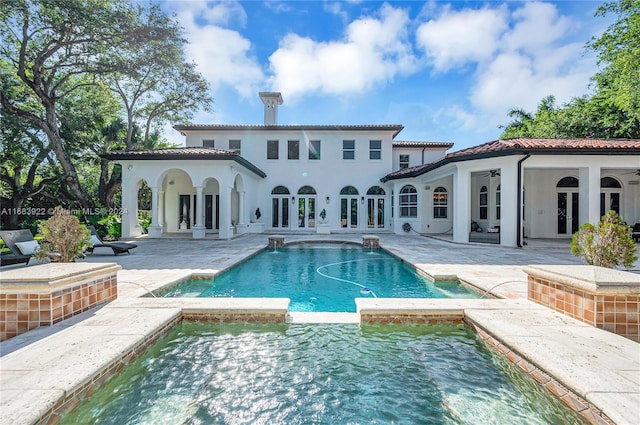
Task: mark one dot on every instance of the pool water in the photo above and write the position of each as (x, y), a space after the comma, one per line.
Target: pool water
(322, 278)
(201, 373)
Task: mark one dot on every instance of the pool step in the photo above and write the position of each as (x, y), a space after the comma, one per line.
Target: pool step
(307, 317)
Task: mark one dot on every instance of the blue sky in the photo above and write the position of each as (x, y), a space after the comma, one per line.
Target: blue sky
(447, 71)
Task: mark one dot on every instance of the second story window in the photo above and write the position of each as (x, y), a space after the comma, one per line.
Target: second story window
(293, 149)
(314, 149)
(234, 145)
(208, 143)
(272, 149)
(375, 149)
(348, 149)
(404, 161)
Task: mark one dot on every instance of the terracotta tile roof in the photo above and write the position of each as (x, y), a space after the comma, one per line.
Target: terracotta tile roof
(522, 146)
(198, 151)
(187, 153)
(396, 128)
(531, 144)
(417, 144)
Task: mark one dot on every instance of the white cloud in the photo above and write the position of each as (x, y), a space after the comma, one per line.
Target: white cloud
(223, 55)
(537, 27)
(373, 51)
(513, 56)
(532, 62)
(457, 38)
(213, 13)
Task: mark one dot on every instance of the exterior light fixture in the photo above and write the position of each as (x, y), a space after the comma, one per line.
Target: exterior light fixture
(327, 199)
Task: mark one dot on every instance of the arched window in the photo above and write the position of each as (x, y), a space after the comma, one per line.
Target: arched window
(568, 182)
(408, 201)
(610, 183)
(375, 190)
(349, 190)
(484, 201)
(440, 202)
(306, 190)
(498, 203)
(280, 190)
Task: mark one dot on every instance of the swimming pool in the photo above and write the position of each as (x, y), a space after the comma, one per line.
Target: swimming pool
(322, 277)
(201, 373)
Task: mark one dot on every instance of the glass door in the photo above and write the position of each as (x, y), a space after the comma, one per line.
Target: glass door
(568, 210)
(375, 213)
(306, 212)
(280, 212)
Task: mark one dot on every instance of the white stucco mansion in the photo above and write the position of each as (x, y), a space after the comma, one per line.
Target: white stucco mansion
(359, 178)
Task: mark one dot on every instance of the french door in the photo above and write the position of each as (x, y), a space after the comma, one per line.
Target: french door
(306, 212)
(280, 212)
(349, 212)
(568, 210)
(375, 213)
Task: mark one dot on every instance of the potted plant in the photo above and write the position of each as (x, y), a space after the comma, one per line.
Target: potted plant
(258, 214)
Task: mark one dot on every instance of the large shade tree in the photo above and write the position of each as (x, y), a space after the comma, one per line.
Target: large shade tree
(54, 49)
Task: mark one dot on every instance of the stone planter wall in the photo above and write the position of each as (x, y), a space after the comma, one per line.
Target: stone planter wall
(604, 298)
(45, 294)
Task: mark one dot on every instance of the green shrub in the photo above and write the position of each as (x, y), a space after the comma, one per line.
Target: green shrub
(144, 220)
(607, 244)
(63, 237)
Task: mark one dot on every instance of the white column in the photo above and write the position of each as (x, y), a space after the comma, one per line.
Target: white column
(162, 216)
(199, 229)
(509, 204)
(461, 205)
(589, 194)
(226, 229)
(129, 207)
(397, 225)
(241, 208)
(155, 231)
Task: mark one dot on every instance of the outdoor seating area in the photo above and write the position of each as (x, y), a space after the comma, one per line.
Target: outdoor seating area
(14, 240)
(116, 247)
(22, 246)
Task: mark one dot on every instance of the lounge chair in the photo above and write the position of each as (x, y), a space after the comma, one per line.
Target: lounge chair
(635, 232)
(117, 247)
(16, 240)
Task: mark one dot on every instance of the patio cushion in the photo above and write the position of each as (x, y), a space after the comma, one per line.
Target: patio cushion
(95, 241)
(28, 247)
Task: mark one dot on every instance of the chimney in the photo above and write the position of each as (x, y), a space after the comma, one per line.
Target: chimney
(271, 101)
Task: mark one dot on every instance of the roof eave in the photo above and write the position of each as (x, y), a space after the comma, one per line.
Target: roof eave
(508, 152)
(190, 157)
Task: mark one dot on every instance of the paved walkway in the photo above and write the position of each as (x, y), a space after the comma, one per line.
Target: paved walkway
(42, 365)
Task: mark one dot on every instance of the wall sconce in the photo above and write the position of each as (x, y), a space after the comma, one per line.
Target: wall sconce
(293, 199)
(362, 199)
(171, 182)
(327, 199)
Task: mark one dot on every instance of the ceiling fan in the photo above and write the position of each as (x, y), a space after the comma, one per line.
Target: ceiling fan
(492, 173)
